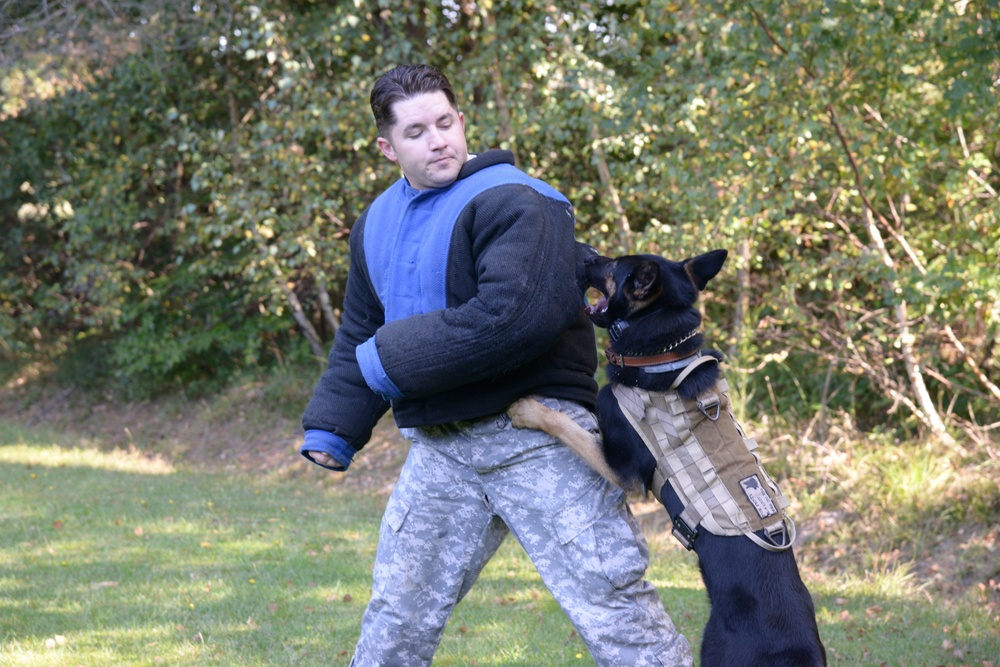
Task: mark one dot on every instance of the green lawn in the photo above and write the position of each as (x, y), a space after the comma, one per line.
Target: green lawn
(119, 558)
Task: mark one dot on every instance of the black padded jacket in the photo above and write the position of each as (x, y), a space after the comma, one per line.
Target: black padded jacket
(510, 324)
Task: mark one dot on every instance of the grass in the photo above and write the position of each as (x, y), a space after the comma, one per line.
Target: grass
(138, 535)
(121, 558)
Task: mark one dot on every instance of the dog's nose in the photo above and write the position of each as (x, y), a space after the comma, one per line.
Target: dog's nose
(585, 251)
(597, 259)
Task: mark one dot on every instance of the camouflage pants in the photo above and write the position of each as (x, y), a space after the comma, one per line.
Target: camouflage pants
(463, 487)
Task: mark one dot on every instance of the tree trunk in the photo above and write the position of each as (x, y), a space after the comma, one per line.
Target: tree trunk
(506, 131)
(923, 406)
(927, 411)
(325, 306)
(621, 219)
(742, 298)
(315, 344)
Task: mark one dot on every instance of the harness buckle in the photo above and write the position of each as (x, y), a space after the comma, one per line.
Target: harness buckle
(713, 402)
(684, 533)
(778, 536)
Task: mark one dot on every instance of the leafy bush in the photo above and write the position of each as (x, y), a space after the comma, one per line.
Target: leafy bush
(186, 176)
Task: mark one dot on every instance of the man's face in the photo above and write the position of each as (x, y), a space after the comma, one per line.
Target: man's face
(427, 140)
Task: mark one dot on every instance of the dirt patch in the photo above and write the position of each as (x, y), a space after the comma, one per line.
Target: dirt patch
(236, 431)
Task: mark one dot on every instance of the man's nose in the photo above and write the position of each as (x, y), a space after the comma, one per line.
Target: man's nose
(436, 139)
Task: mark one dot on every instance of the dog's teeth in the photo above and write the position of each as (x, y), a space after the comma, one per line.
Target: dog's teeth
(599, 307)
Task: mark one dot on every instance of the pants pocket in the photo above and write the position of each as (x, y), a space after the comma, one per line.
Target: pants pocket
(609, 540)
(621, 547)
(392, 523)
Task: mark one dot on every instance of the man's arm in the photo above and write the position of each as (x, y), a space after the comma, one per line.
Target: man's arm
(343, 410)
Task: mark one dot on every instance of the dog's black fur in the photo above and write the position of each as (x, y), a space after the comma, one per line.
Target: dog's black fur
(655, 297)
(761, 612)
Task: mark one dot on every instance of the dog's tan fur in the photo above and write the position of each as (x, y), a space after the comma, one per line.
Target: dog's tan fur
(529, 413)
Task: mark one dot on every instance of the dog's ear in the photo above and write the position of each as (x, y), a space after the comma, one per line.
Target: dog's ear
(703, 268)
(644, 279)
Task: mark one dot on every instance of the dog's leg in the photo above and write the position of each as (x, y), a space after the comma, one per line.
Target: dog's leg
(529, 413)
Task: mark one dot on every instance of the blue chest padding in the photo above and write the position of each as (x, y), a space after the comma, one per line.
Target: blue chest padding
(408, 234)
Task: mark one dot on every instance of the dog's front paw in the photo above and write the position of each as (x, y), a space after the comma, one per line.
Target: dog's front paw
(527, 413)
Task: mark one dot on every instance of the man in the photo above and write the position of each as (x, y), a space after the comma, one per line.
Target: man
(461, 298)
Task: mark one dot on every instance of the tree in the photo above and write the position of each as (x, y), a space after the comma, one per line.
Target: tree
(186, 181)
(829, 136)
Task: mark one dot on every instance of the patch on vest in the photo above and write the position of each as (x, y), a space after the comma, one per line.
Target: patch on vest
(758, 497)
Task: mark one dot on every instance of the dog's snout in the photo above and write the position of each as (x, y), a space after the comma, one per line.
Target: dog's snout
(596, 260)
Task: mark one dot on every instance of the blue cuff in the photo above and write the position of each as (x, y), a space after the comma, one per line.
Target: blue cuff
(374, 374)
(328, 443)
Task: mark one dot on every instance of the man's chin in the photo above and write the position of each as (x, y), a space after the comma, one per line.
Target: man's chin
(444, 175)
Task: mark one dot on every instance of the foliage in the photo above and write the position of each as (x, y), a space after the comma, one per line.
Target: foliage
(186, 176)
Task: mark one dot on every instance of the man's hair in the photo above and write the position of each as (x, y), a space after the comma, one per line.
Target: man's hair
(402, 83)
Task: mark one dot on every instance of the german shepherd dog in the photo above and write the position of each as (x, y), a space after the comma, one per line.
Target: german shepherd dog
(761, 613)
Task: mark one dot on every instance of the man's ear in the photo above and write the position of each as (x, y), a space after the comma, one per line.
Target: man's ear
(387, 150)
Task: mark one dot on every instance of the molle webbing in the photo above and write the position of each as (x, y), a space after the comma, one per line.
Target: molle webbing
(710, 463)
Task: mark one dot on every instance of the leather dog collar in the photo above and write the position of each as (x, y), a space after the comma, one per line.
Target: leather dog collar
(666, 356)
(650, 360)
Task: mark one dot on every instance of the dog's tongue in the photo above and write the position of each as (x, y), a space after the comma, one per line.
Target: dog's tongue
(598, 308)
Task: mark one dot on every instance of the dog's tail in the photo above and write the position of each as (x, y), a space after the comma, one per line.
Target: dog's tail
(529, 413)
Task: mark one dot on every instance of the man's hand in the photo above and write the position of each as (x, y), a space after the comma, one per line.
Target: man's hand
(327, 450)
(323, 458)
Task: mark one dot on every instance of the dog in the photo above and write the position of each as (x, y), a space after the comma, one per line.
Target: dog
(761, 613)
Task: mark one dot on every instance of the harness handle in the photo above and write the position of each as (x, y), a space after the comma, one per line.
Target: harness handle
(694, 364)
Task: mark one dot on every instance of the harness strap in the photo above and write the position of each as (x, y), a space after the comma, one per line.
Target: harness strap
(723, 486)
(687, 371)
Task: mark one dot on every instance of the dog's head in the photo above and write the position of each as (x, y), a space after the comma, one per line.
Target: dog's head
(634, 284)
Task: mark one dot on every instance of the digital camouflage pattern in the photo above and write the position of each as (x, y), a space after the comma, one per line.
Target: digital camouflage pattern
(462, 489)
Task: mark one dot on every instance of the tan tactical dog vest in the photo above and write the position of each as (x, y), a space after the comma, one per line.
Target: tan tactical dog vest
(710, 463)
